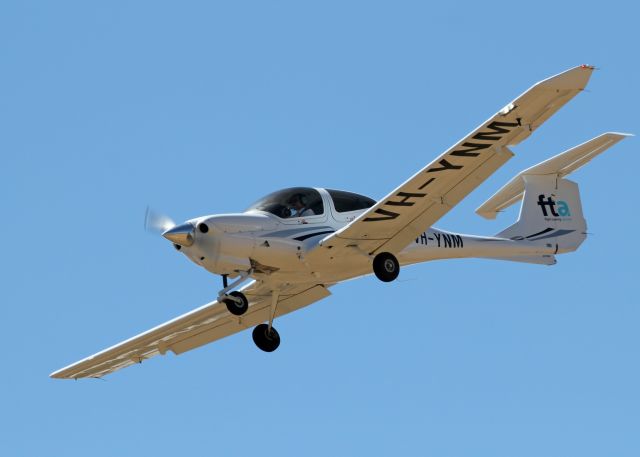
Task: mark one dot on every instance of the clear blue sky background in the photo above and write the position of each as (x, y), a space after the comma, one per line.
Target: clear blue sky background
(202, 107)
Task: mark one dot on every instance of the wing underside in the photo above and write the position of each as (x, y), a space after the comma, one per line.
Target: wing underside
(194, 329)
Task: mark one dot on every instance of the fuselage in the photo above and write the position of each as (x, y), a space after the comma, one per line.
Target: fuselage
(277, 244)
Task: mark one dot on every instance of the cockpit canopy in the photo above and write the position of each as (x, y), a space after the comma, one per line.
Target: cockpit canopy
(306, 201)
(291, 202)
(345, 202)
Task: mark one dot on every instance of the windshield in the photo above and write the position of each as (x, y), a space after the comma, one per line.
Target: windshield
(291, 202)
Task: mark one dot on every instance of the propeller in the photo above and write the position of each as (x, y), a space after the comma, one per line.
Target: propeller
(179, 235)
(157, 222)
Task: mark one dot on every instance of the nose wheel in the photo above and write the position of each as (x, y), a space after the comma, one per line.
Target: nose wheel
(267, 339)
(237, 303)
(386, 267)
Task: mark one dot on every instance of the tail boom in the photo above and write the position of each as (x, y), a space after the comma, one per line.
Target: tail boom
(436, 244)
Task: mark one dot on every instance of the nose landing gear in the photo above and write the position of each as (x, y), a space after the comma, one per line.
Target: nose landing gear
(236, 301)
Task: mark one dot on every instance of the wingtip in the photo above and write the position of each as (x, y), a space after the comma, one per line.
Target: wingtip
(575, 78)
(58, 374)
(620, 135)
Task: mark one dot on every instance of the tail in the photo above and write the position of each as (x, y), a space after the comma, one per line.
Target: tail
(551, 211)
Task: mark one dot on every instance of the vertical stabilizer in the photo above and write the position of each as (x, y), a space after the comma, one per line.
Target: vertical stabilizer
(551, 213)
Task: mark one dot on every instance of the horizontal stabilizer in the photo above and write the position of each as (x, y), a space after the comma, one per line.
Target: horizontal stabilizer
(560, 165)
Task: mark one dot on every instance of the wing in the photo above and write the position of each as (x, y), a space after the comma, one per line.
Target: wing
(419, 202)
(191, 330)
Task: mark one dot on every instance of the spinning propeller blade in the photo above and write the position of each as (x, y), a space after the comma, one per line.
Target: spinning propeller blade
(157, 222)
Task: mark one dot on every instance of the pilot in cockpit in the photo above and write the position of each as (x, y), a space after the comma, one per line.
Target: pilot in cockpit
(298, 206)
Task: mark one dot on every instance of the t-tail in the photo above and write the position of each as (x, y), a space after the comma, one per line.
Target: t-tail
(551, 211)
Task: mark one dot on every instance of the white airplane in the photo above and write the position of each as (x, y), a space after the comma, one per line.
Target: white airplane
(291, 246)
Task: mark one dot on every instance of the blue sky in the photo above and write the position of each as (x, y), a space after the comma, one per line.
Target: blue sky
(202, 107)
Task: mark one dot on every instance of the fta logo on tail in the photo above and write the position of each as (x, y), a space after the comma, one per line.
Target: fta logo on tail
(558, 208)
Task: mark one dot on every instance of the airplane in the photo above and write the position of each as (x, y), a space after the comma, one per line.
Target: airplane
(290, 247)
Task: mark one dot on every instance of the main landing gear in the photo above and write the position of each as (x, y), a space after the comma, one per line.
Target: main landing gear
(386, 267)
(236, 301)
(266, 336)
(265, 339)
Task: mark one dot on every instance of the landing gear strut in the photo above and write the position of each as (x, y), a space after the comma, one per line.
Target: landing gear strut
(236, 301)
(386, 267)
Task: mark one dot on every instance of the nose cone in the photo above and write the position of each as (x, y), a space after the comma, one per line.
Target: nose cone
(180, 234)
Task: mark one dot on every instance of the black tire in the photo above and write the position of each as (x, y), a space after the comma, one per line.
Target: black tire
(265, 340)
(235, 308)
(386, 267)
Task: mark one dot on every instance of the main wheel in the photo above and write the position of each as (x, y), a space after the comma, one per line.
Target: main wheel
(237, 308)
(266, 340)
(386, 267)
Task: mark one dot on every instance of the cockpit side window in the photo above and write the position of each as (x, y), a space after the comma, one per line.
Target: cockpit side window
(290, 203)
(348, 201)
